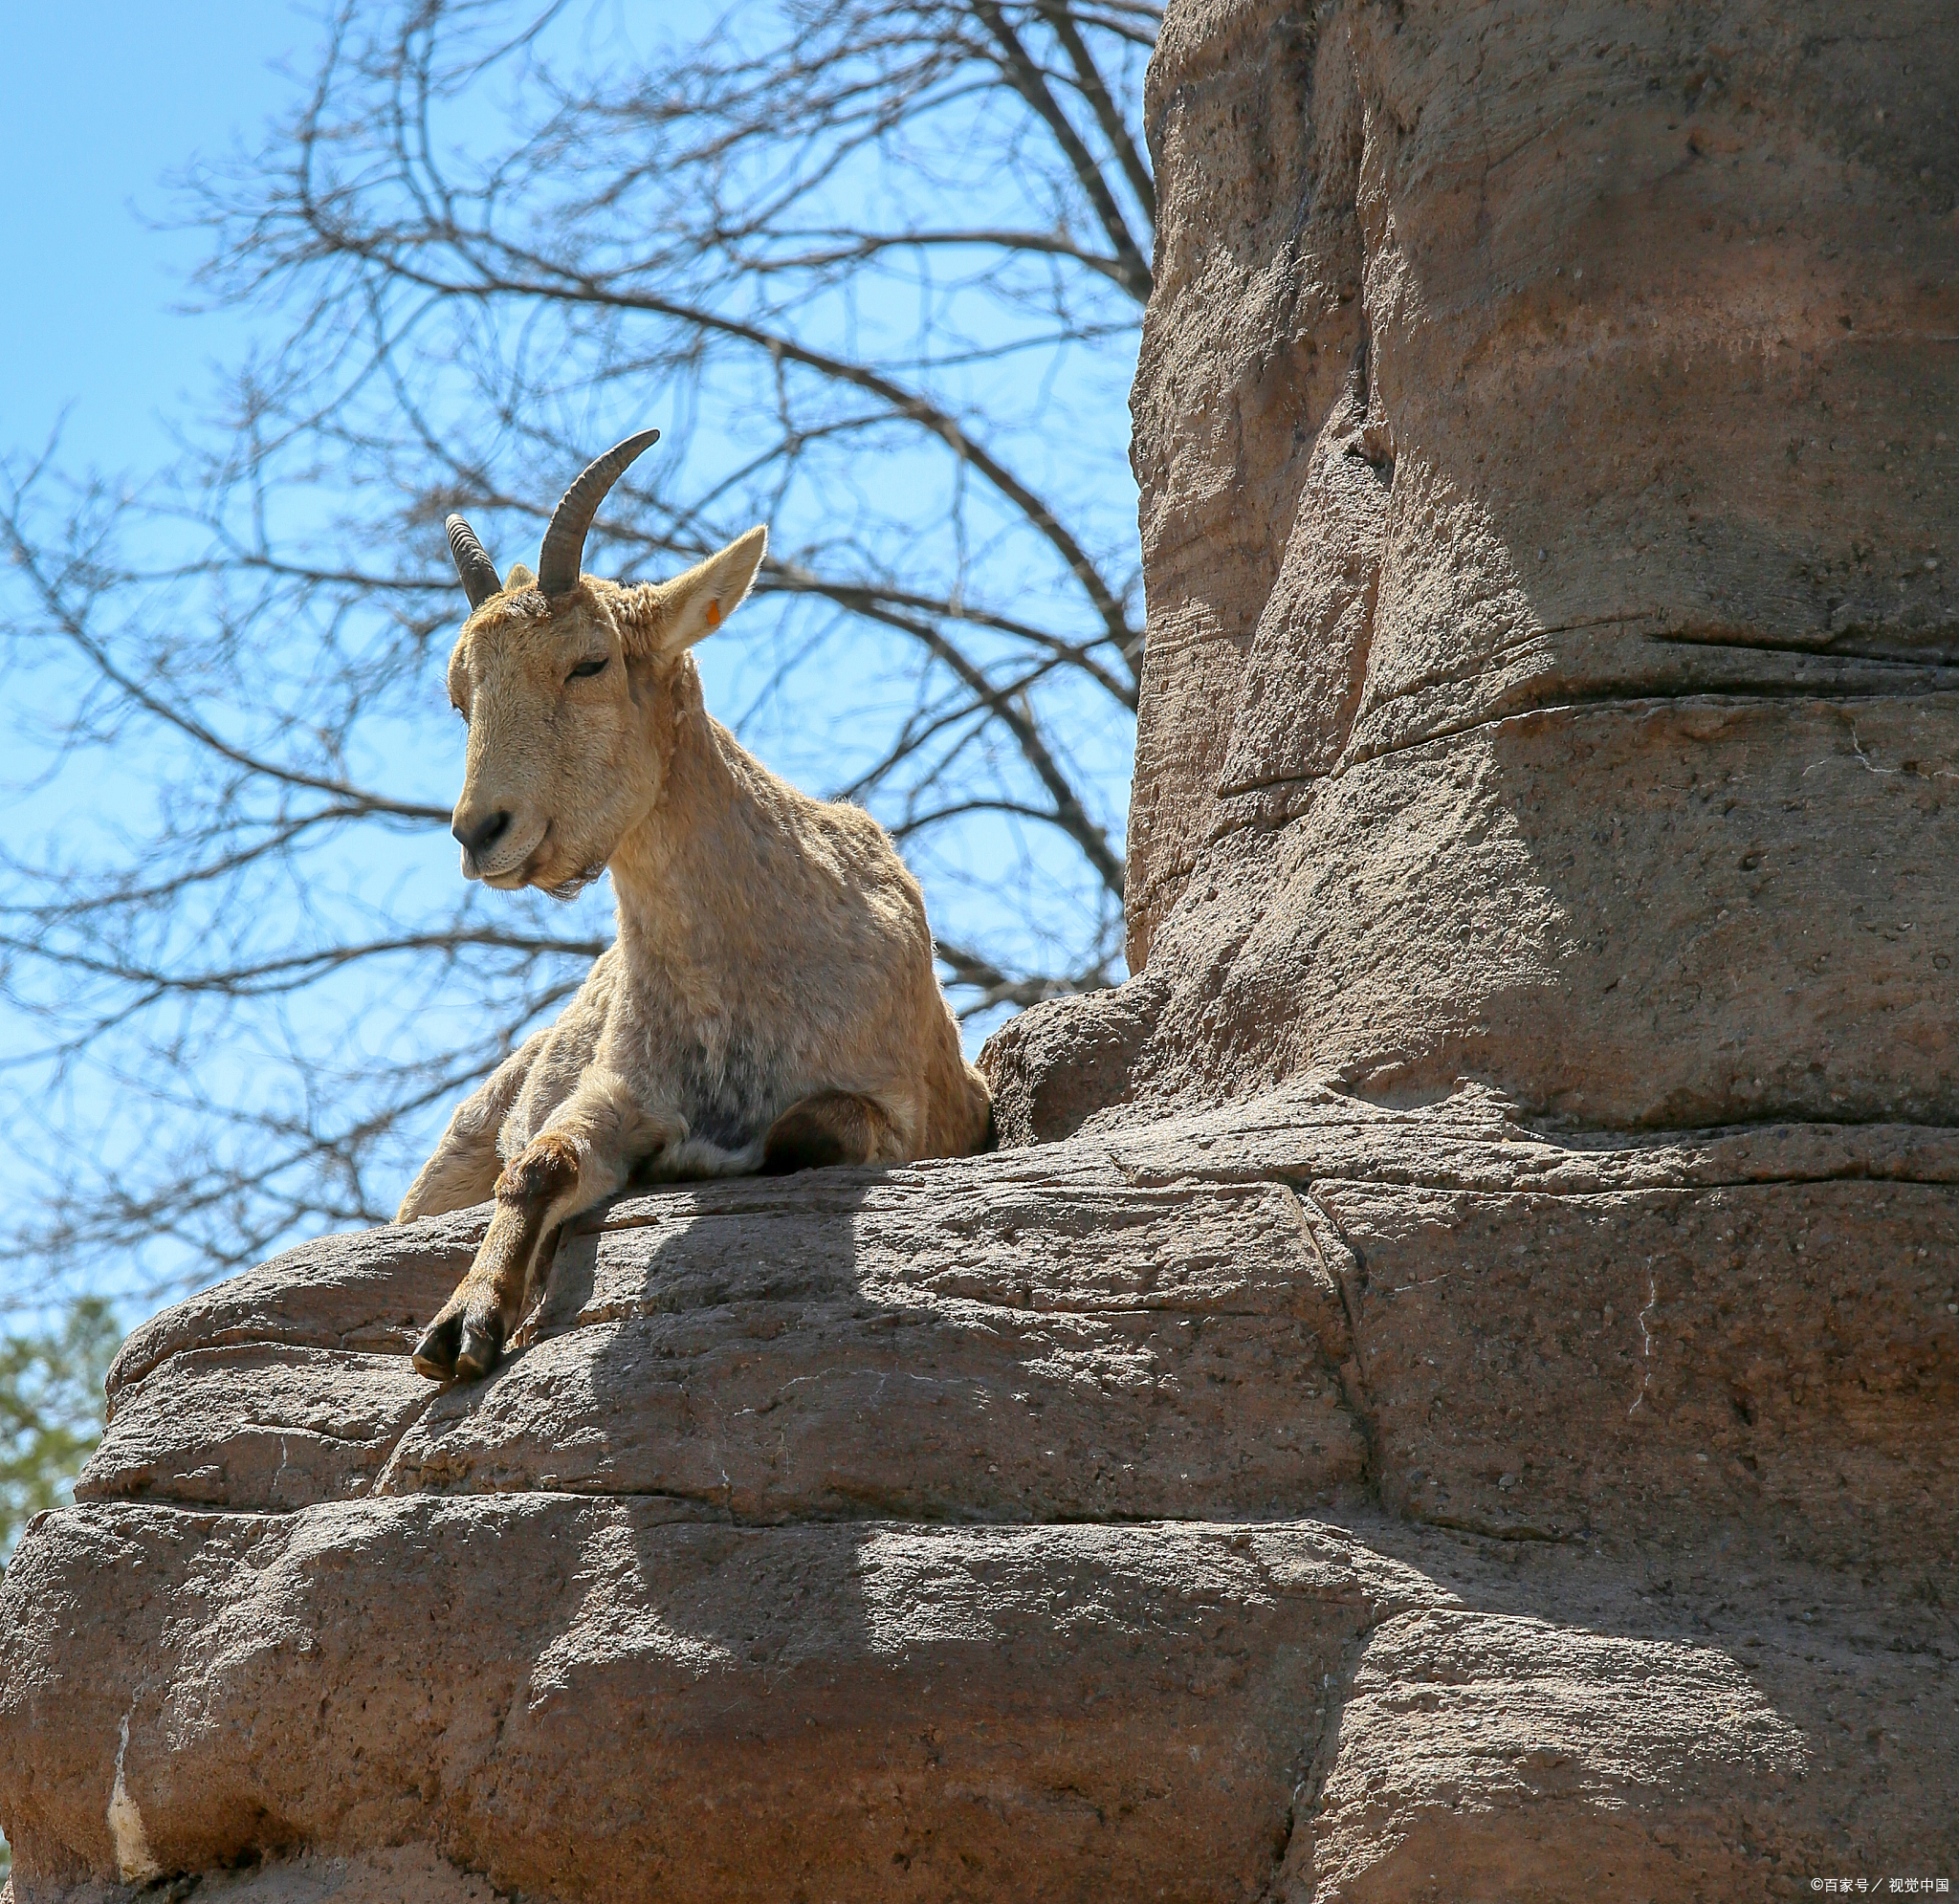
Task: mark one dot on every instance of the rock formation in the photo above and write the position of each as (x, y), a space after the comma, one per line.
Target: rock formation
(1451, 1392)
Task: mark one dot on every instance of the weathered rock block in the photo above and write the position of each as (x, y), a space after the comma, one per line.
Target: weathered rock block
(1546, 431)
(1210, 1510)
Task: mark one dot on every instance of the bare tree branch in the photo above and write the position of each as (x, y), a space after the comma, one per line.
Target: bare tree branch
(1031, 83)
(1095, 89)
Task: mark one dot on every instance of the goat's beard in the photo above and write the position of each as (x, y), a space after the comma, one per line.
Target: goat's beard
(570, 888)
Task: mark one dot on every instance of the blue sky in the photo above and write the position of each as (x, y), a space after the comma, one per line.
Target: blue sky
(105, 102)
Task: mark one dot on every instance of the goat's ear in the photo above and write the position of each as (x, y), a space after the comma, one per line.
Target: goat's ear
(671, 616)
(519, 578)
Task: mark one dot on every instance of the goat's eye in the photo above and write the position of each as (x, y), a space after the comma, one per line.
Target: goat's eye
(585, 670)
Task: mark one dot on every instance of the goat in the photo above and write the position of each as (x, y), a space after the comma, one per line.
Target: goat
(769, 1002)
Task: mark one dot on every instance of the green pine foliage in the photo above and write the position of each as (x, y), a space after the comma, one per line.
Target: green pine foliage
(51, 1411)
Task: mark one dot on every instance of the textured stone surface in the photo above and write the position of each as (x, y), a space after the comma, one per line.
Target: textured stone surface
(1462, 1398)
(678, 1711)
(1688, 914)
(395, 1874)
(762, 1349)
(1252, 330)
(1524, 1517)
(1573, 361)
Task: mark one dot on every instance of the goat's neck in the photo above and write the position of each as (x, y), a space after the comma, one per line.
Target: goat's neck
(687, 877)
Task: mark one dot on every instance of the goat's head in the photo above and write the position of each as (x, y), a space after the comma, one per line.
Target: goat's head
(569, 686)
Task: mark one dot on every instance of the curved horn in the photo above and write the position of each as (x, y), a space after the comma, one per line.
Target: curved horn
(477, 571)
(565, 542)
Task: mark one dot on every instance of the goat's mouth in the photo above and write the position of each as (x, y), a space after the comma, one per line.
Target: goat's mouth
(509, 869)
(554, 880)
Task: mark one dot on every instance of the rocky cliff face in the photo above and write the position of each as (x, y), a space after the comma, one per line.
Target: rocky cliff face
(1466, 1407)
(1546, 426)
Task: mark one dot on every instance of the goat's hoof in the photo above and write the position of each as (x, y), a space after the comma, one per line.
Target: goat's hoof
(482, 1344)
(434, 1354)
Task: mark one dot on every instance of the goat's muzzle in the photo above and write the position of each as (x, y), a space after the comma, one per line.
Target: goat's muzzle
(477, 833)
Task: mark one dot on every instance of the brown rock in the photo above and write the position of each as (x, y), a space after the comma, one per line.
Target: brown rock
(1684, 914)
(1513, 1756)
(396, 1874)
(1059, 1063)
(651, 1613)
(1467, 1406)
(1253, 326)
(1598, 644)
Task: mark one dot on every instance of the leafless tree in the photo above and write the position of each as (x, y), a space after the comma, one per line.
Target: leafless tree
(877, 271)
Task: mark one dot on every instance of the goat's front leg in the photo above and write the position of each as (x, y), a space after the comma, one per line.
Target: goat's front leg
(465, 1166)
(584, 1154)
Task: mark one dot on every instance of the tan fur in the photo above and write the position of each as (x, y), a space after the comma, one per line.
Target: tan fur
(772, 948)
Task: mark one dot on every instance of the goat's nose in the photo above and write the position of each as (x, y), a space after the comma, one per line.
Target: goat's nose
(478, 836)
